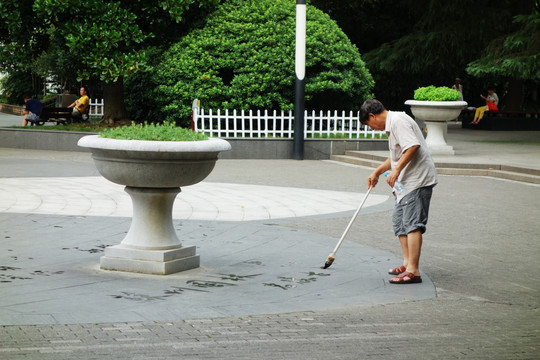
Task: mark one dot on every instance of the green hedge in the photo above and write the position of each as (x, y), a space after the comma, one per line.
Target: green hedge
(244, 58)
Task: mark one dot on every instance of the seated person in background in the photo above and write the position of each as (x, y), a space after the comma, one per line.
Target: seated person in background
(79, 106)
(457, 86)
(32, 109)
(492, 100)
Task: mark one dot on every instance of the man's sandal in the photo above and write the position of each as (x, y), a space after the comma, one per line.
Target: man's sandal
(406, 278)
(397, 270)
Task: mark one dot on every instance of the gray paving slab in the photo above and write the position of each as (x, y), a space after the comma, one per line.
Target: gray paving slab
(7, 120)
(246, 269)
(96, 196)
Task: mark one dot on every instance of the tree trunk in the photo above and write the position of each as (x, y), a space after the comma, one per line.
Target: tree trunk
(115, 107)
(514, 95)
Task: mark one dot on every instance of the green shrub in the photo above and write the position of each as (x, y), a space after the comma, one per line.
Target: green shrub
(140, 95)
(15, 86)
(244, 58)
(432, 93)
(153, 132)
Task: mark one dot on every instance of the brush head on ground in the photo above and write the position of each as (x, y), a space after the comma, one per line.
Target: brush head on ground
(328, 262)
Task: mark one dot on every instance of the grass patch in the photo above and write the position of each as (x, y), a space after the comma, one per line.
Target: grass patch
(84, 127)
(152, 132)
(78, 127)
(124, 131)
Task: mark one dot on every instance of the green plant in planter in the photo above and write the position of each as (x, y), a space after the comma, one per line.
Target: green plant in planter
(432, 93)
(167, 131)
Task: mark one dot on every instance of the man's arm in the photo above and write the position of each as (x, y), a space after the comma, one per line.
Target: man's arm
(408, 155)
(75, 103)
(373, 179)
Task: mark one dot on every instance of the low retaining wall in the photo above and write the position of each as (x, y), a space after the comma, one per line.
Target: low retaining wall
(314, 149)
(319, 149)
(11, 109)
(40, 139)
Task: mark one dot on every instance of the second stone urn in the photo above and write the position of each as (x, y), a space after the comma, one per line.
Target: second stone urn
(436, 114)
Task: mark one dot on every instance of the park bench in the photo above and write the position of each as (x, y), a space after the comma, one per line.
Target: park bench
(58, 115)
(502, 120)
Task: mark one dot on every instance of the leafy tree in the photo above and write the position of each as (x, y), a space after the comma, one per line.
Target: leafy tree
(244, 59)
(16, 85)
(370, 23)
(22, 39)
(109, 37)
(59, 66)
(408, 44)
(439, 46)
(515, 55)
(514, 58)
(141, 97)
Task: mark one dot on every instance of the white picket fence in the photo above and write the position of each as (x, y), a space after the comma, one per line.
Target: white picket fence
(274, 124)
(97, 107)
(271, 124)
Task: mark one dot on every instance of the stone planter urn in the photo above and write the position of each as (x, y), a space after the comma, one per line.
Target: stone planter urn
(436, 114)
(153, 172)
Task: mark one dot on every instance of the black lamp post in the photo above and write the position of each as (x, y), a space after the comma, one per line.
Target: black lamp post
(300, 84)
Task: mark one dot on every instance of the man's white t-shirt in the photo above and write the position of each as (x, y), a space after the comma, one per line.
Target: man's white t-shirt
(403, 133)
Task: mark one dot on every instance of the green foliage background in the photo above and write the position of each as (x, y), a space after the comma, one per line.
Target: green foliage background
(515, 55)
(443, 38)
(244, 58)
(14, 87)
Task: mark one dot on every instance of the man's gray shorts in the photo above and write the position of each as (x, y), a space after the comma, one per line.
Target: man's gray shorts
(411, 213)
(31, 116)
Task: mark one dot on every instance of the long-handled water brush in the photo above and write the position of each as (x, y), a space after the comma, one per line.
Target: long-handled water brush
(330, 259)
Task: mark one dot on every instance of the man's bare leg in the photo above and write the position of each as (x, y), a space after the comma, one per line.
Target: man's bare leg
(403, 240)
(414, 247)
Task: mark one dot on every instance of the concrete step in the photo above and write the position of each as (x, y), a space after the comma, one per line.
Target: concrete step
(493, 170)
(509, 175)
(355, 160)
(365, 155)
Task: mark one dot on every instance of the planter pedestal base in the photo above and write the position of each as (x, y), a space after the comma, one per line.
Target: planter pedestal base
(436, 138)
(157, 262)
(151, 245)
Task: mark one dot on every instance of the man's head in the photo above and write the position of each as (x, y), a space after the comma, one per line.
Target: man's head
(369, 111)
(83, 91)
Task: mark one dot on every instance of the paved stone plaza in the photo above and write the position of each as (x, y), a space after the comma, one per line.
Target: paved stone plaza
(263, 228)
